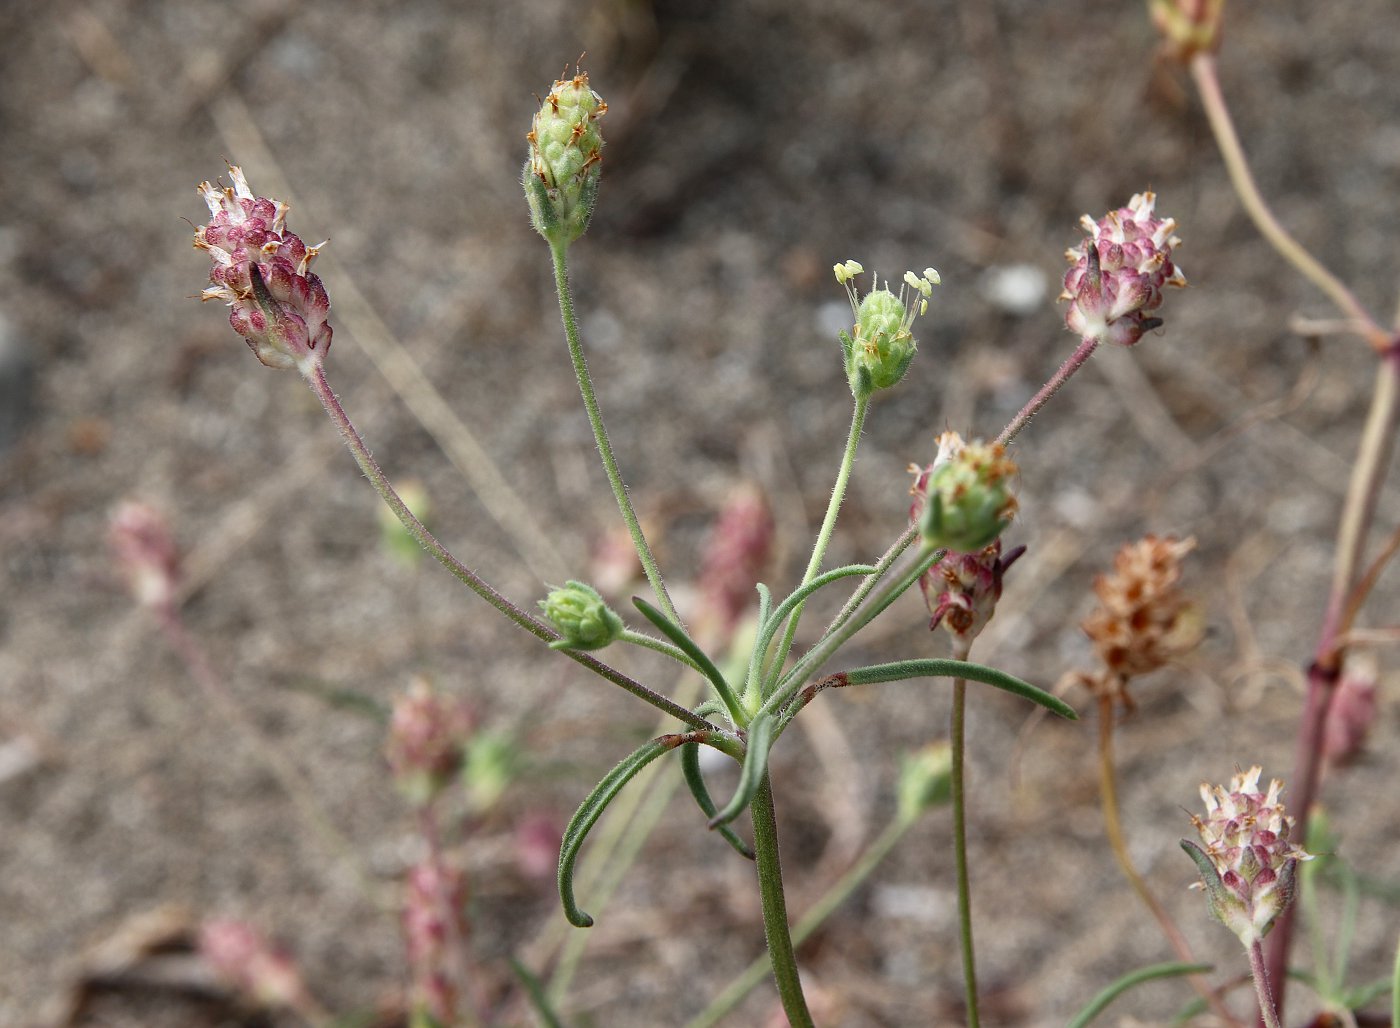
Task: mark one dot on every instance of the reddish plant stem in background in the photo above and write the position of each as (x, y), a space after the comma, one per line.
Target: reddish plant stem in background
(1208, 85)
(1368, 474)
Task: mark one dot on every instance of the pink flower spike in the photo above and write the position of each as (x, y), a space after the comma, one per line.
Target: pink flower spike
(1118, 273)
(1246, 861)
(434, 925)
(145, 552)
(238, 953)
(427, 741)
(262, 271)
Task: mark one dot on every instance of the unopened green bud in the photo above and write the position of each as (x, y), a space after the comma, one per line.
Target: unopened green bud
(883, 346)
(925, 779)
(968, 497)
(579, 614)
(566, 154)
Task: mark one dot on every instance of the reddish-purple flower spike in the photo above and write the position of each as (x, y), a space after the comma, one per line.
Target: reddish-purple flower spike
(427, 741)
(239, 954)
(144, 551)
(262, 270)
(434, 925)
(1118, 273)
(739, 546)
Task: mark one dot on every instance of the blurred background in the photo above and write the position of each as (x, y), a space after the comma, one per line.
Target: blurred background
(750, 147)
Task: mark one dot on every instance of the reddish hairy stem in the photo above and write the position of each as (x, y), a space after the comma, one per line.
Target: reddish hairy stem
(1040, 399)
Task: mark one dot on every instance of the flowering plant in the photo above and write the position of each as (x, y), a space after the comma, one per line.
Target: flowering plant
(757, 678)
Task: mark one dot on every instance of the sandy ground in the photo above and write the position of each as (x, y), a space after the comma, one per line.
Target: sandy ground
(750, 147)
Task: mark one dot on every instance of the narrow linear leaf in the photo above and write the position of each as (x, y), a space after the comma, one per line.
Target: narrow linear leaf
(678, 635)
(905, 669)
(765, 603)
(1097, 1005)
(534, 991)
(587, 816)
(755, 764)
(690, 765)
(765, 608)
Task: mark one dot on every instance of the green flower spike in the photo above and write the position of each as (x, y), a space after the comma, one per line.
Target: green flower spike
(967, 499)
(880, 353)
(579, 614)
(565, 162)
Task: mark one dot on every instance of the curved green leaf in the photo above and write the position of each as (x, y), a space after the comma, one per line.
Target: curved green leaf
(768, 627)
(765, 608)
(905, 669)
(678, 635)
(587, 816)
(1097, 1005)
(690, 766)
(760, 738)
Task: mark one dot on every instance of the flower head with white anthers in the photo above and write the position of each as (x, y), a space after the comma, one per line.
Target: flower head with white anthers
(879, 353)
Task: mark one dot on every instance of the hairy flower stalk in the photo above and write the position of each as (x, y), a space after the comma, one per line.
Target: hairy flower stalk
(961, 504)
(1143, 622)
(1118, 272)
(1117, 275)
(261, 269)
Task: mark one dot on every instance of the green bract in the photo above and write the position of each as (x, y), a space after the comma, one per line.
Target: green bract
(967, 498)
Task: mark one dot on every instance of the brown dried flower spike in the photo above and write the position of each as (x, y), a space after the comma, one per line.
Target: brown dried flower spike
(1143, 620)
